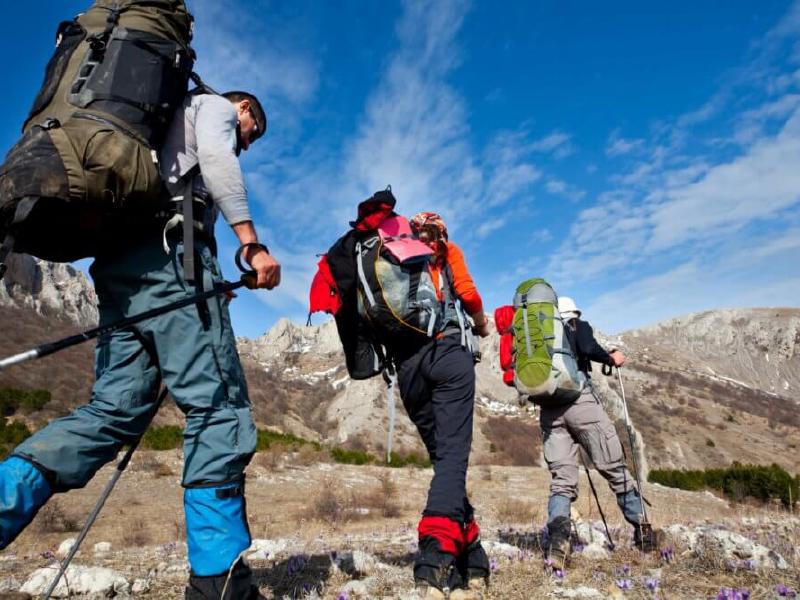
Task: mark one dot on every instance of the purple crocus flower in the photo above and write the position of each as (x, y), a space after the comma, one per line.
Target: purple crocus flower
(624, 584)
(733, 594)
(296, 564)
(651, 583)
(667, 554)
(559, 574)
(785, 592)
(342, 596)
(493, 565)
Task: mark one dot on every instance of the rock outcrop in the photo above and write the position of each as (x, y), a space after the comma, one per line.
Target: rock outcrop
(50, 289)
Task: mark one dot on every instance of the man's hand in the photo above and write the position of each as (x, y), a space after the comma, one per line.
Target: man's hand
(481, 330)
(481, 326)
(268, 270)
(618, 357)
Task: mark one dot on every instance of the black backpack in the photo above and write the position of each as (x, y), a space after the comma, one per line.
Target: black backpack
(87, 159)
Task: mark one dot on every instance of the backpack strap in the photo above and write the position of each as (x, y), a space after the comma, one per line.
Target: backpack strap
(5, 249)
(362, 277)
(526, 327)
(183, 192)
(23, 208)
(187, 211)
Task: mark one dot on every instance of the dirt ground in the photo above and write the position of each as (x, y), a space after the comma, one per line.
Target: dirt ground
(323, 509)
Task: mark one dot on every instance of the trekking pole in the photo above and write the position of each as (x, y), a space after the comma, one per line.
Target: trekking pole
(247, 279)
(632, 442)
(121, 466)
(390, 376)
(599, 508)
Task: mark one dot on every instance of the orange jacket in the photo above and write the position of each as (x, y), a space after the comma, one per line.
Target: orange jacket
(462, 280)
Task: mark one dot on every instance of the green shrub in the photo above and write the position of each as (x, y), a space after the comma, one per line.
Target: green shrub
(12, 399)
(737, 481)
(347, 456)
(408, 460)
(267, 438)
(11, 434)
(164, 437)
(35, 400)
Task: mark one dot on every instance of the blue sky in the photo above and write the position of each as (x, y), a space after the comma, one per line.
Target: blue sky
(643, 157)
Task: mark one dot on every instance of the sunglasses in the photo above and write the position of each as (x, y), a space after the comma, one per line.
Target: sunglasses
(256, 132)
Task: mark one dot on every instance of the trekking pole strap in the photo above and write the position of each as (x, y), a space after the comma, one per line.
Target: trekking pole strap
(5, 249)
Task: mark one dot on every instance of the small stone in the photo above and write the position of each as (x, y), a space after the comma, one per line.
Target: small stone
(65, 547)
(102, 548)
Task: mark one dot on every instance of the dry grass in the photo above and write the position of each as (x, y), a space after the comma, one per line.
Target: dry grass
(513, 510)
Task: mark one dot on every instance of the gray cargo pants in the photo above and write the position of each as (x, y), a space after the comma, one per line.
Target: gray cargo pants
(584, 423)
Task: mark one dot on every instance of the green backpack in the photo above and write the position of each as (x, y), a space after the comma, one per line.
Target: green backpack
(545, 367)
(87, 159)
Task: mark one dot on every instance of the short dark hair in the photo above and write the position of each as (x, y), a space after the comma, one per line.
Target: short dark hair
(258, 111)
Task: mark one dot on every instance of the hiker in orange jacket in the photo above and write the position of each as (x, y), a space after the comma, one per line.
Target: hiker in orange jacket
(437, 385)
(430, 228)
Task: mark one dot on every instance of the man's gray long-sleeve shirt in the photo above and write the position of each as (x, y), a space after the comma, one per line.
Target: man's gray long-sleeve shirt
(203, 132)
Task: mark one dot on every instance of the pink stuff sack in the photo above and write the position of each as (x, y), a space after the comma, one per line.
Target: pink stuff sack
(396, 235)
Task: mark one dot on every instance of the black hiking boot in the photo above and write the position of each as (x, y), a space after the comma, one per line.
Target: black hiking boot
(645, 538)
(560, 530)
(239, 586)
(473, 567)
(435, 572)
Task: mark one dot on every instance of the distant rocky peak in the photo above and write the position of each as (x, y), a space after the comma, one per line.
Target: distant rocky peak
(51, 289)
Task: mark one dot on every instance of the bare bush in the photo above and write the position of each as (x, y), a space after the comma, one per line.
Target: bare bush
(149, 462)
(308, 455)
(383, 497)
(136, 535)
(272, 458)
(54, 519)
(512, 441)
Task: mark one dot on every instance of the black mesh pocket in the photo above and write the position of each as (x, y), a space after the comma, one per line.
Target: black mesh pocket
(70, 34)
(140, 79)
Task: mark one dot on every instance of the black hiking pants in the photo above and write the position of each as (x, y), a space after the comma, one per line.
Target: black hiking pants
(437, 385)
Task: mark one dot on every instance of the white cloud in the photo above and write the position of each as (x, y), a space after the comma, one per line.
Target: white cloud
(762, 272)
(486, 228)
(619, 146)
(233, 54)
(756, 185)
(557, 143)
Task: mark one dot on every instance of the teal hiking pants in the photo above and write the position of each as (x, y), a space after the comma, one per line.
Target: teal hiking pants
(191, 350)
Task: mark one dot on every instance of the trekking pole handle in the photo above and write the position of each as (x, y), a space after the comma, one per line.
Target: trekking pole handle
(249, 275)
(607, 370)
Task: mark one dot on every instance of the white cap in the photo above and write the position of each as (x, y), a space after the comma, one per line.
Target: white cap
(568, 308)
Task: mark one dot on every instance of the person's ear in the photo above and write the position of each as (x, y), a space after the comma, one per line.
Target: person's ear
(244, 106)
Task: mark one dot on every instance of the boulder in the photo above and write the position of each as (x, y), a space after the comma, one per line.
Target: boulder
(82, 580)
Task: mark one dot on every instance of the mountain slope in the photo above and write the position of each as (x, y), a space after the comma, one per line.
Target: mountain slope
(703, 390)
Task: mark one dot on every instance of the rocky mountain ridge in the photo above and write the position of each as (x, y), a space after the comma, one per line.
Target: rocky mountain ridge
(703, 389)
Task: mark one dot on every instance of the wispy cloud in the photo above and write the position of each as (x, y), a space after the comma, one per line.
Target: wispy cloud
(618, 146)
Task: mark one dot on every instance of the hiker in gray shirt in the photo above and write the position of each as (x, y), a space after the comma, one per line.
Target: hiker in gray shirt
(584, 424)
(190, 351)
